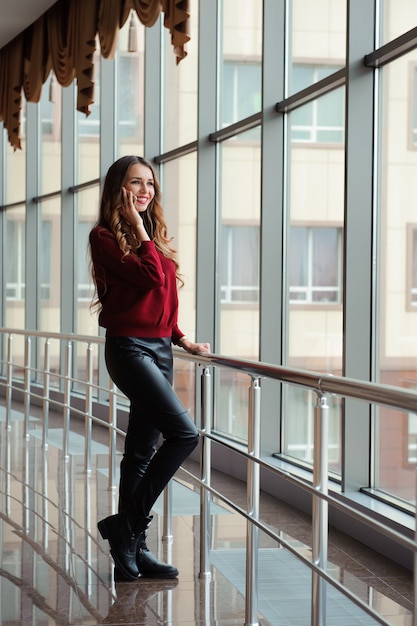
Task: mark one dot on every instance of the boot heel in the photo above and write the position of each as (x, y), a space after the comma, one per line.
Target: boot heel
(119, 532)
(102, 529)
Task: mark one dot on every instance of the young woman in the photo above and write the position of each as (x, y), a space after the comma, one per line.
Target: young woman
(136, 274)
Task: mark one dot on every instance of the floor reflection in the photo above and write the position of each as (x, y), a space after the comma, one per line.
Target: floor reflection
(144, 602)
(56, 570)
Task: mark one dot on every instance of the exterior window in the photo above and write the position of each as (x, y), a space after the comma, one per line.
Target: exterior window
(128, 106)
(47, 111)
(239, 264)
(412, 439)
(299, 430)
(45, 260)
(315, 258)
(89, 126)
(415, 109)
(413, 298)
(128, 102)
(320, 121)
(85, 284)
(15, 267)
(242, 91)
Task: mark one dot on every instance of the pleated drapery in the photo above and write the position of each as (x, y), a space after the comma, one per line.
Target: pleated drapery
(64, 39)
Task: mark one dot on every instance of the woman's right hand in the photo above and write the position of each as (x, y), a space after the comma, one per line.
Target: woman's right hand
(128, 209)
(129, 212)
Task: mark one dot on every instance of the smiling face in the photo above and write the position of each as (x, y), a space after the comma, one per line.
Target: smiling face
(140, 181)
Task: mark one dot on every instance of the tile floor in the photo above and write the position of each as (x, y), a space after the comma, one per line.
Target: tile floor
(56, 570)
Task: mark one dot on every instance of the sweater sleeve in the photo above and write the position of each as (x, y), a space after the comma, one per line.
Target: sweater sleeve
(176, 334)
(141, 269)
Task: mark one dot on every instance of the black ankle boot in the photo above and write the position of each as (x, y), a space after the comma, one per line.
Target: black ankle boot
(123, 537)
(148, 564)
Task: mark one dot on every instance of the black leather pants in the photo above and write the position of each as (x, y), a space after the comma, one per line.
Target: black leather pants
(143, 370)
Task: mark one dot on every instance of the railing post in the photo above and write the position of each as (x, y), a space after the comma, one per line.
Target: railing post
(253, 488)
(89, 546)
(205, 473)
(27, 484)
(88, 409)
(112, 436)
(320, 510)
(45, 400)
(45, 502)
(67, 398)
(45, 430)
(167, 534)
(9, 380)
(26, 402)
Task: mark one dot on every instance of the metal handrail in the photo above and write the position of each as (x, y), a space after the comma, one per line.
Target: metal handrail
(318, 383)
(374, 393)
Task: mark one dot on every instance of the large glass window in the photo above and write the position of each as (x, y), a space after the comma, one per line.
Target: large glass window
(49, 111)
(85, 289)
(14, 187)
(50, 266)
(130, 104)
(241, 63)
(179, 178)
(50, 119)
(414, 115)
(89, 125)
(179, 109)
(87, 207)
(299, 430)
(49, 276)
(88, 132)
(314, 279)
(242, 90)
(16, 253)
(16, 260)
(397, 344)
(315, 264)
(399, 16)
(412, 439)
(231, 417)
(238, 256)
(130, 87)
(46, 260)
(412, 261)
(320, 121)
(239, 264)
(14, 268)
(317, 30)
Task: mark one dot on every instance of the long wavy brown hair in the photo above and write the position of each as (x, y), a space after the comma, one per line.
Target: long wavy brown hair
(153, 218)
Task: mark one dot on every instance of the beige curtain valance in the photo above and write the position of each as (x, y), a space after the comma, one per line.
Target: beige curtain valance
(64, 39)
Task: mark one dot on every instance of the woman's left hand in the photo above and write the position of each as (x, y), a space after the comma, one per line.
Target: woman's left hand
(195, 348)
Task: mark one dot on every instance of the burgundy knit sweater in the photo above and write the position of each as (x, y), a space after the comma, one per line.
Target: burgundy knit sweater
(138, 292)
